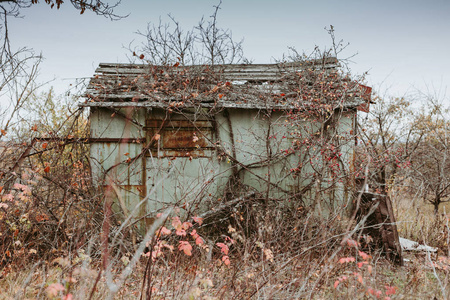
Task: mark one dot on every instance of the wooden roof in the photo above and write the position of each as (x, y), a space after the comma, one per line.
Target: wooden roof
(234, 86)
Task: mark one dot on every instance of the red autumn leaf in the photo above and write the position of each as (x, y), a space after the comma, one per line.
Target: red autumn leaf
(199, 241)
(185, 247)
(198, 220)
(47, 169)
(226, 260)
(176, 223)
(44, 146)
(165, 231)
(364, 255)
(360, 279)
(352, 243)
(223, 248)
(346, 260)
(360, 264)
(390, 290)
(194, 233)
(228, 83)
(68, 297)
(141, 56)
(177, 64)
(186, 225)
(53, 289)
(220, 96)
(180, 232)
(282, 94)
(34, 128)
(371, 291)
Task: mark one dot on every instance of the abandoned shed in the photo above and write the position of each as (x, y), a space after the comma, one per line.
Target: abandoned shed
(193, 136)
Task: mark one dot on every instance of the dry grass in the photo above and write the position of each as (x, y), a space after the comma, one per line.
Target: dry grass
(284, 278)
(316, 267)
(417, 221)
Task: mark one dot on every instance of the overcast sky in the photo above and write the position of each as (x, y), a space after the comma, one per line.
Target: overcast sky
(402, 44)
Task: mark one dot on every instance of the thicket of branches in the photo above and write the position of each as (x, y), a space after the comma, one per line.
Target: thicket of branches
(407, 142)
(252, 244)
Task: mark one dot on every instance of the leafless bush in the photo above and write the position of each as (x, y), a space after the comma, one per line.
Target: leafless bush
(205, 44)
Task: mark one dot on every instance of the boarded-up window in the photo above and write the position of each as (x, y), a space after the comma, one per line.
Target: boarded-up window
(180, 137)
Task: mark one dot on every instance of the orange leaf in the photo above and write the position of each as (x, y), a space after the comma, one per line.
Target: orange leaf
(34, 128)
(41, 217)
(157, 136)
(1, 189)
(220, 96)
(3, 132)
(177, 64)
(47, 169)
(44, 146)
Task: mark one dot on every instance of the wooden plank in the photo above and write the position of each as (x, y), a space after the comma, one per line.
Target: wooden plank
(222, 104)
(326, 61)
(381, 225)
(226, 70)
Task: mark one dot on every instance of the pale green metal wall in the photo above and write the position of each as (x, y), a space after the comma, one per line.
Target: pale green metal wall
(200, 180)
